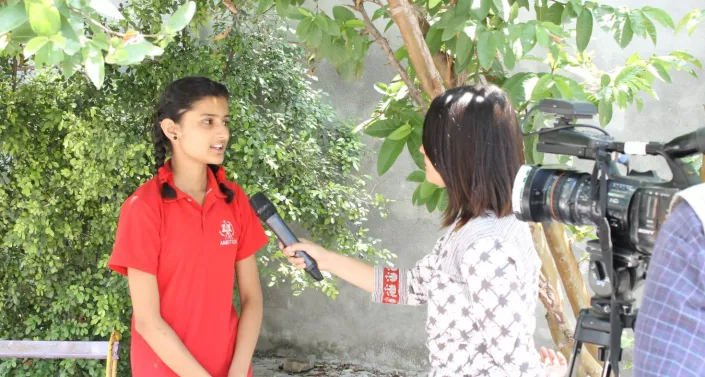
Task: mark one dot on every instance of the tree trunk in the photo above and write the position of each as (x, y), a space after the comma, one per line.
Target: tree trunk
(416, 46)
(561, 332)
(569, 271)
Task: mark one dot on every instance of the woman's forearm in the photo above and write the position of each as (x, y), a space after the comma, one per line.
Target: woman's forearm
(170, 349)
(248, 329)
(351, 270)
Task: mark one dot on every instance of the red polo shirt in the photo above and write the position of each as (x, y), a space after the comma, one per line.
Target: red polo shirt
(192, 250)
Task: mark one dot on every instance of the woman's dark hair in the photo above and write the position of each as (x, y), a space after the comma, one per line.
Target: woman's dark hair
(472, 138)
(178, 98)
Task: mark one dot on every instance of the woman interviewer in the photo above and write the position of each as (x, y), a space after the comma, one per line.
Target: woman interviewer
(480, 282)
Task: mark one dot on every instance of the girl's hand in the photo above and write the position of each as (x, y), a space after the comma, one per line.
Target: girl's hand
(314, 251)
(555, 363)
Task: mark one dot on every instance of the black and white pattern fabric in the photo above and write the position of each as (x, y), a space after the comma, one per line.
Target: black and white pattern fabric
(480, 284)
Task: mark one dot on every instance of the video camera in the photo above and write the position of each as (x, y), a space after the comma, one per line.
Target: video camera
(628, 211)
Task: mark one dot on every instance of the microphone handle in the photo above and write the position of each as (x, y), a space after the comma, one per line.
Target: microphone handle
(287, 237)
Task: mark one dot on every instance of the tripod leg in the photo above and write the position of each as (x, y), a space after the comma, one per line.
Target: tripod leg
(607, 369)
(578, 346)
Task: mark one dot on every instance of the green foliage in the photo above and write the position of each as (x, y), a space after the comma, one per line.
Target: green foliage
(70, 154)
(69, 34)
(485, 40)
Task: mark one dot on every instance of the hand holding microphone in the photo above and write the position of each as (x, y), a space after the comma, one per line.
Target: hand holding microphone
(268, 214)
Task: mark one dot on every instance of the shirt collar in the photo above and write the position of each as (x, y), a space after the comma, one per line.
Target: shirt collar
(166, 175)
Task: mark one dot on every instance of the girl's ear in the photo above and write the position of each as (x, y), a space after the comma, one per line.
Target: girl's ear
(170, 128)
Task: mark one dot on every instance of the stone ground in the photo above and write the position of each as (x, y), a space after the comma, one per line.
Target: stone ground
(273, 366)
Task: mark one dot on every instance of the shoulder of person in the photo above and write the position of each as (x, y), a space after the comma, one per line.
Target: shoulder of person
(146, 197)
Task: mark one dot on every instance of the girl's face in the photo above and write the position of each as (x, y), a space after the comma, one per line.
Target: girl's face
(202, 133)
(432, 174)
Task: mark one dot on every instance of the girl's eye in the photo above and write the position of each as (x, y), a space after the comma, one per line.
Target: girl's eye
(208, 121)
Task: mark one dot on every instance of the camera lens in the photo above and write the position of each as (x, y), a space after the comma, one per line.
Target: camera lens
(541, 195)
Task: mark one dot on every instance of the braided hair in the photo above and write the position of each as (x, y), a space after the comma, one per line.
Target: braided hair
(178, 98)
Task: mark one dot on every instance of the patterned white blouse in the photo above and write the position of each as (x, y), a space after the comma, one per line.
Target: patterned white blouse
(480, 284)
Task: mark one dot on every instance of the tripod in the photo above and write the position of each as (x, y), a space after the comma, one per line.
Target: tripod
(593, 326)
(614, 273)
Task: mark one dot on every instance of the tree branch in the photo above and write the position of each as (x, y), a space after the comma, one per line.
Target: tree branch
(414, 93)
(105, 29)
(419, 55)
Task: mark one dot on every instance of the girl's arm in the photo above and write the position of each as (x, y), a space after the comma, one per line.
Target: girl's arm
(250, 318)
(155, 331)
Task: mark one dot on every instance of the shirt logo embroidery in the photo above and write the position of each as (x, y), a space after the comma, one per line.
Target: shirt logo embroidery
(228, 232)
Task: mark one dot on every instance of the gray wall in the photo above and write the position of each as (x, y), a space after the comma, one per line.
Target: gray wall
(352, 328)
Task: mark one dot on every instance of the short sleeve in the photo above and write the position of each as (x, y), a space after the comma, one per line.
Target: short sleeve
(252, 237)
(137, 242)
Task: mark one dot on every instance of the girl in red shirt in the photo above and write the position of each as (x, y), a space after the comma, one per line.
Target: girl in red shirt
(183, 239)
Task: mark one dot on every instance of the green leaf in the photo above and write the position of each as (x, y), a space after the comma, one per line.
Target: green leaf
(660, 71)
(690, 21)
(486, 48)
(622, 99)
(480, 9)
(433, 201)
(388, 154)
(49, 55)
(563, 87)
(503, 9)
(554, 13)
(263, 6)
(434, 3)
(528, 37)
(413, 143)
(604, 108)
(443, 201)
(464, 48)
(659, 16)
(584, 29)
(416, 176)
(687, 57)
(106, 9)
(401, 132)
(73, 44)
(542, 36)
(568, 14)
(624, 34)
(357, 24)
(282, 7)
(45, 19)
(650, 27)
(605, 79)
(542, 86)
(510, 57)
(637, 23)
(627, 74)
(382, 128)
(332, 27)
(70, 65)
(343, 14)
(427, 189)
(181, 18)
(12, 17)
(34, 45)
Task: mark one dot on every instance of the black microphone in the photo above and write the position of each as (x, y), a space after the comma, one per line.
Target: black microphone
(268, 214)
(687, 144)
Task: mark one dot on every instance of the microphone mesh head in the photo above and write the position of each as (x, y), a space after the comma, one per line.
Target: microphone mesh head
(262, 206)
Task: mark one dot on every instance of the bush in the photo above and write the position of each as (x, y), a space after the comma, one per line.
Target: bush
(70, 155)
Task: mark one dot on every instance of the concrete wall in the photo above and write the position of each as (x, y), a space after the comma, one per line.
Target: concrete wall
(351, 327)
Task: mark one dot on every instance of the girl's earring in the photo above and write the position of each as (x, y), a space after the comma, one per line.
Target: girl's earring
(174, 137)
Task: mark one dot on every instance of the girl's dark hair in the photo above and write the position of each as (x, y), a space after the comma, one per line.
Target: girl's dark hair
(472, 138)
(178, 98)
